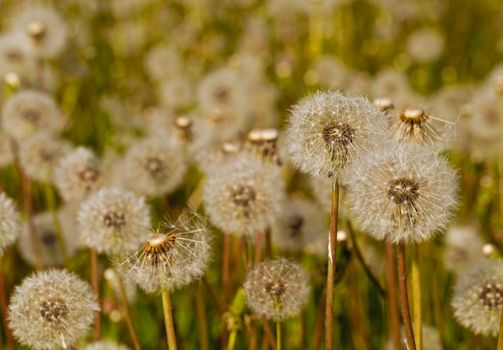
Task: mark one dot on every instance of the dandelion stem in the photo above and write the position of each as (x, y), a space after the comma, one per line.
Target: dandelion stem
(332, 245)
(500, 335)
(232, 340)
(278, 335)
(95, 282)
(416, 298)
(268, 243)
(51, 205)
(5, 313)
(127, 314)
(201, 319)
(366, 268)
(258, 244)
(168, 320)
(226, 260)
(404, 297)
(391, 295)
(319, 324)
(268, 336)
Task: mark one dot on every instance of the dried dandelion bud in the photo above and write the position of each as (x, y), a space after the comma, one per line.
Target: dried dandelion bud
(301, 227)
(276, 289)
(402, 193)
(10, 222)
(45, 27)
(113, 221)
(51, 309)
(184, 125)
(154, 167)
(105, 345)
(478, 297)
(463, 247)
(263, 143)
(40, 154)
(384, 104)
(413, 125)
(47, 236)
(243, 196)
(78, 174)
(172, 257)
(329, 130)
(29, 112)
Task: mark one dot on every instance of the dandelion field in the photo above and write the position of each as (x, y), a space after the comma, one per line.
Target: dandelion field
(251, 174)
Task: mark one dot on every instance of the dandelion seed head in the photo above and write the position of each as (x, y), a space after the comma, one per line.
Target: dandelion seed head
(301, 227)
(276, 289)
(425, 45)
(45, 27)
(463, 247)
(478, 297)
(51, 309)
(6, 156)
(78, 174)
(175, 255)
(176, 94)
(244, 196)
(46, 234)
(263, 144)
(329, 130)
(402, 193)
(105, 345)
(163, 62)
(113, 221)
(40, 154)
(10, 222)
(154, 167)
(29, 112)
(16, 56)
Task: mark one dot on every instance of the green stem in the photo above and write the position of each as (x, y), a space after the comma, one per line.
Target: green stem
(278, 335)
(168, 319)
(416, 298)
(404, 297)
(127, 314)
(232, 340)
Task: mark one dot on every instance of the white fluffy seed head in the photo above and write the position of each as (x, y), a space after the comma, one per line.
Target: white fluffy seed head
(51, 309)
(244, 196)
(44, 26)
(105, 345)
(478, 297)
(10, 222)
(29, 112)
(16, 56)
(175, 255)
(301, 227)
(276, 289)
(78, 174)
(154, 167)
(47, 238)
(329, 130)
(402, 193)
(463, 246)
(40, 154)
(113, 221)
(425, 44)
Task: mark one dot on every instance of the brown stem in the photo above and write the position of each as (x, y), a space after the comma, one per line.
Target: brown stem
(268, 243)
(319, 324)
(391, 295)
(373, 279)
(332, 245)
(127, 314)
(258, 246)
(202, 323)
(213, 296)
(5, 311)
(95, 282)
(271, 342)
(404, 297)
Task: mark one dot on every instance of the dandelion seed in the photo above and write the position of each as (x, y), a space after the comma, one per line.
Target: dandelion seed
(51, 309)
(244, 196)
(329, 130)
(10, 222)
(402, 193)
(40, 154)
(478, 297)
(105, 345)
(113, 221)
(44, 26)
(78, 174)
(154, 167)
(29, 112)
(172, 257)
(276, 289)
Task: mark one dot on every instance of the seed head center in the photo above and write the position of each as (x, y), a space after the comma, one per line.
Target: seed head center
(491, 295)
(114, 219)
(157, 249)
(275, 288)
(53, 310)
(243, 195)
(295, 225)
(338, 134)
(403, 191)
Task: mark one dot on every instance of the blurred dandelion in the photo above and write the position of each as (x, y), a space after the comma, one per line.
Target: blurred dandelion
(10, 222)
